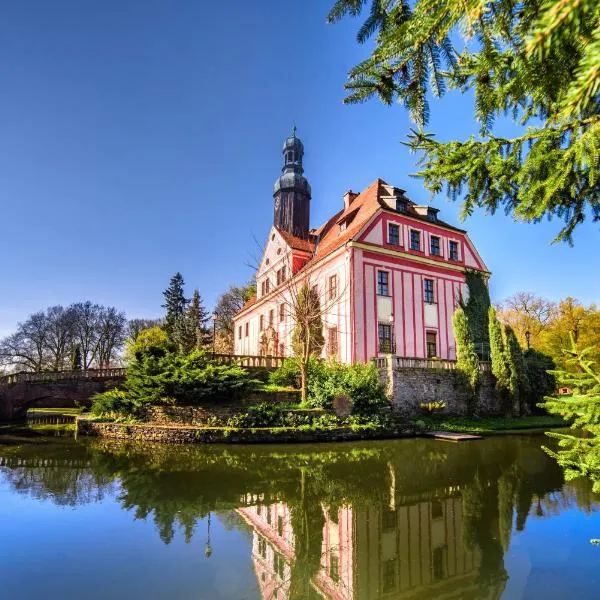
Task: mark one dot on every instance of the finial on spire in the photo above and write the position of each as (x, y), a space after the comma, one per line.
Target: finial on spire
(294, 130)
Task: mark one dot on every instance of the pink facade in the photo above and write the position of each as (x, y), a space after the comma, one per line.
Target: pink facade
(389, 274)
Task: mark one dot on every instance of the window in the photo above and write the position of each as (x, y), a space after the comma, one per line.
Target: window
(383, 283)
(431, 340)
(281, 349)
(428, 291)
(453, 250)
(388, 519)
(271, 317)
(281, 276)
(332, 341)
(240, 332)
(261, 322)
(267, 285)
(334, 567)
(435, 245)
(262, 547)
(437, 510)
(385, 337)
(246, 329)
(431, 214)
(279, 525)
(333, 287)
(401, 205)
(393, 234)
(343, 226)
(278, 565)
(269, 518)
(281, 313)
(389, 575)
(437, 563)
(415, 240)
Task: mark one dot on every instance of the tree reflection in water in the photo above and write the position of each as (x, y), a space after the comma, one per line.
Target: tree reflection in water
(404, 519)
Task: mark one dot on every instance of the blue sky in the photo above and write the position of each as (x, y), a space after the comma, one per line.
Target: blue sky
(142, 138)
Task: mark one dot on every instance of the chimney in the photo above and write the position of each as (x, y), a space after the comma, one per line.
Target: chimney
(349, 197)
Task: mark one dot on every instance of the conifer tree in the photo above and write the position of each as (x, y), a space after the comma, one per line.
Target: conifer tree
(498, 357)
(76, 358)
(192, 332)
(535, 61)
(467, 361)
(518, 385)
(579, 454)
(175, 305)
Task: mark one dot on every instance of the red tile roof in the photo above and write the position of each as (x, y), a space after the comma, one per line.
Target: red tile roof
(296, 243)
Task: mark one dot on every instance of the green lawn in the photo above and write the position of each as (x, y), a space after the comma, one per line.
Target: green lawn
(491, 425)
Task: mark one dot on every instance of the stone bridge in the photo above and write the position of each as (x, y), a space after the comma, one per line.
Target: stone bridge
(60, 389)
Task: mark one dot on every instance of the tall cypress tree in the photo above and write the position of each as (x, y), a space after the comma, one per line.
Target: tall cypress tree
(175, 305)
(518, 382)
(500, 366)
(193, 332)
(467, 361)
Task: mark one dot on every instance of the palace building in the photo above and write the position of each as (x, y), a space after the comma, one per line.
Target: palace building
(388, 272)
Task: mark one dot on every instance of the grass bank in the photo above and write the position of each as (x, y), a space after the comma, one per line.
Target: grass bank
(491, 425)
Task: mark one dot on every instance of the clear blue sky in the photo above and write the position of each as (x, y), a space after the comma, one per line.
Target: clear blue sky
(142, 138)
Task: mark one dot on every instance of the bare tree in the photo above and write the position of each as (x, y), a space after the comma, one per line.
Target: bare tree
(228, 305)
(136, 326)
(306, 303)
(47, 339)
(112, 328)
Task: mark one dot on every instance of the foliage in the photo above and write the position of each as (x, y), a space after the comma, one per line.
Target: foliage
(46, 340)
(467, 361)
(551, 324)
(136, 326)
(518, 384)
(359, 383)
(113, 403)
(175, 306)
(228, 305)
(500, 366)
(157, 376)
(535, 61)
(76, 358)
(192, 331)
(580, 452)
(329, 380)
(146, 341)
(476, 308)
(288, 374)
(539, 368)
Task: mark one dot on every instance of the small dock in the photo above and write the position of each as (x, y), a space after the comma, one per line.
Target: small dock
(450, 436)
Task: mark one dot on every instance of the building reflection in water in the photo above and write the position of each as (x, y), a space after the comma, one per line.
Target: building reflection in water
(411, 549)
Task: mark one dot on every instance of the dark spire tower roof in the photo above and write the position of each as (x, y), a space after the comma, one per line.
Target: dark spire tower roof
(292, 191)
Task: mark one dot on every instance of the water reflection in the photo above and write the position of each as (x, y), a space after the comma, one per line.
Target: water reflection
(406, 519)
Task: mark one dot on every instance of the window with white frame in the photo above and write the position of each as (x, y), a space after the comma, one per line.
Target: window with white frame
(393, 234)
(453, 247)
(434, 245)
(415, 239)
(383, 283)
(428, 293)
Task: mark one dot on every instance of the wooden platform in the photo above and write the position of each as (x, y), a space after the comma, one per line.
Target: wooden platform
(450, 436)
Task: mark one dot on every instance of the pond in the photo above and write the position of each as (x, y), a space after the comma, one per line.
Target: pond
(400, 519)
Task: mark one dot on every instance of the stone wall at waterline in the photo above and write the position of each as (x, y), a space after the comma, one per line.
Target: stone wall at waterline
(147, 432)
(212, 413)
(408, 389)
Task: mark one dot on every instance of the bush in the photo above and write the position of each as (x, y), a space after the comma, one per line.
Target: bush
(112, 403)
(359, 383)
(157, 376)
(288, 375)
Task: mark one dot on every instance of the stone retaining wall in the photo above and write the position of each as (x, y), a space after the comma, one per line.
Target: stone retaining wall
(196, 435)
(213, 413)
(409, 388)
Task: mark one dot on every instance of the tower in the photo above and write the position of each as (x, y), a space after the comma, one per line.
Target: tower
(291, 191)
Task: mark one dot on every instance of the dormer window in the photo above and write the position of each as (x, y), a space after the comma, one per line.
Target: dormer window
(432, 214)
(400, 205)
(343, 226)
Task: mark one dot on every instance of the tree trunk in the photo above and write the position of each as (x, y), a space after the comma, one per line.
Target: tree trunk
(303, 381)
